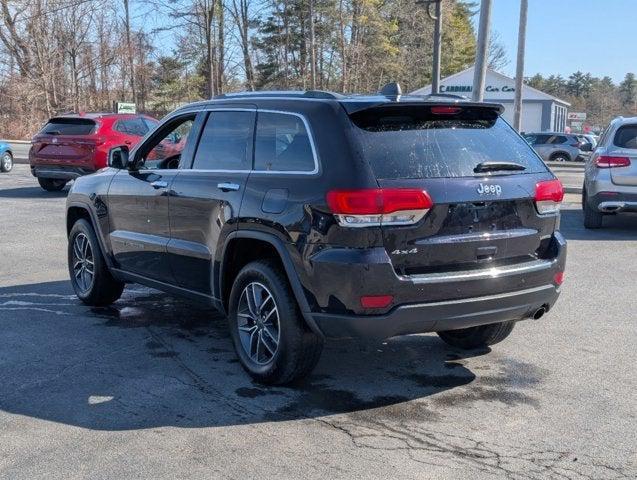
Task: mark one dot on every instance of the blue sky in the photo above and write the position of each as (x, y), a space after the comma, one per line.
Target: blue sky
(563, 36)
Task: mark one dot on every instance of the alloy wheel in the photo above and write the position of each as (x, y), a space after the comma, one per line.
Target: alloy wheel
(258, 322)
(6, 162)
(83, 263)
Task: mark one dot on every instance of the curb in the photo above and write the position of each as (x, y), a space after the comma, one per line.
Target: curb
(577, 190)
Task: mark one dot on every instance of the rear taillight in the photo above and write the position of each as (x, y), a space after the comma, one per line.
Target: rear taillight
(558, 278)
(378, 206)
(607, 161)
(548, 196)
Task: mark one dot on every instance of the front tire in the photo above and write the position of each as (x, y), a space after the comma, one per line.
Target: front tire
(560, 157)
(272, 341)
(477, 337)
(51, 184)
(6, 162)
(91, 280)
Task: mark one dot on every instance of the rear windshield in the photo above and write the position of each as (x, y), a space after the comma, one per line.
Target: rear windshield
(410, 142)
(69, 126)
(626, 137)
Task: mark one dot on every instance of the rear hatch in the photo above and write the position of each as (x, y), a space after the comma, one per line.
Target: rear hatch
(481, 178)
(625, 147)
(65, 141)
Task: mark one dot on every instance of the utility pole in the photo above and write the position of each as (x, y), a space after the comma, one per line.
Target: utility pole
(437, 17)
(519, 71)
(480, 71)
(435, 81)
(129, 48)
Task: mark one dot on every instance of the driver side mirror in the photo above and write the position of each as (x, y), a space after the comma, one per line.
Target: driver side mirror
(118, 157)
(587, 147)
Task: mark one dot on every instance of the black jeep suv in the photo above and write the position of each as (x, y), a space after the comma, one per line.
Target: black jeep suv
(313, 215)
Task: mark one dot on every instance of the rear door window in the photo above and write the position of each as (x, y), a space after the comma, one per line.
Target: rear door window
(132, 126)
(410, 142)
(626, 137)
(557, 140)
(225, 142)
(282, 144)
(69, 126)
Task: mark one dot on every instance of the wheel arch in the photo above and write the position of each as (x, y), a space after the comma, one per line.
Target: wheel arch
(76, 211)
(254, 244)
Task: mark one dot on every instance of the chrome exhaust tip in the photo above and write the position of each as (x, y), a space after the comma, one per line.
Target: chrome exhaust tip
(539, 313)
(611, 207)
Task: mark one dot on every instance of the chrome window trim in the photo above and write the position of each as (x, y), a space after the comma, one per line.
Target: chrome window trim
(252, 171)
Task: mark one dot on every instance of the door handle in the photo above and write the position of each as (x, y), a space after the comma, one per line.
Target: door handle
(159, 184)
(228, 187)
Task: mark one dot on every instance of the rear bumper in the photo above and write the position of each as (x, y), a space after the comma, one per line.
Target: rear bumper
(614, 202)
(338, 278)
(58, 172)
(438, 316)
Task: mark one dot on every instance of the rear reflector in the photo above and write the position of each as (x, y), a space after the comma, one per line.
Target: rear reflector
(376, 206)
(376, 301)
(548, 196)
(607, 161)
(558, 279)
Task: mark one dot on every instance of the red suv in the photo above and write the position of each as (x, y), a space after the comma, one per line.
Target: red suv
(70, 146)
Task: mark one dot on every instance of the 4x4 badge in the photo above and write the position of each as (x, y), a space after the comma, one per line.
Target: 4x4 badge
(489, 189)
(404, 252)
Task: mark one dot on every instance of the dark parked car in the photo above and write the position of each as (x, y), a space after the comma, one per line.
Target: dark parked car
(6, 157)
(559, 147)
(70, 146)
(312, 215)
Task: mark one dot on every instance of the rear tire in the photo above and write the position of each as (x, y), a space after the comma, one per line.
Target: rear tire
(51, 184)
(93, 284)
(592, 218)
(6, 162)
(274, 348)
(477, 337)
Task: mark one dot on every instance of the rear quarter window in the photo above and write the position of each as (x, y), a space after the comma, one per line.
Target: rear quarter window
(282, 144)
(626, 137)
(69, 126)
(405, 142)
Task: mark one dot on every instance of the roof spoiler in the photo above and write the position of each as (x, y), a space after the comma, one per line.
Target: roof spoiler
(354, 107)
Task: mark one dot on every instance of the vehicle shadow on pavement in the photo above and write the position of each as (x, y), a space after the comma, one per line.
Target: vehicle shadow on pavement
(154, 360)
(615, 227)
(31, 192)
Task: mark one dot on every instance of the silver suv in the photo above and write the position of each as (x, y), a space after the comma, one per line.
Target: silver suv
(610, 179)
(558, 147)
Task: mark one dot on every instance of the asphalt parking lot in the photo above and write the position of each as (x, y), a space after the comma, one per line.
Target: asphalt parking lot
(150, 388)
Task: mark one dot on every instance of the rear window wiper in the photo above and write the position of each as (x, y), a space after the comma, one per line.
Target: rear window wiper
(497, 166)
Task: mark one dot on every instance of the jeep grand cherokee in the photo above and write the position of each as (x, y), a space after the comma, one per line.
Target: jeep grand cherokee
(314, 215)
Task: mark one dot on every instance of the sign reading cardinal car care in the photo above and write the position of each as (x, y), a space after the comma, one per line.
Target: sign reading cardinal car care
(123, 107)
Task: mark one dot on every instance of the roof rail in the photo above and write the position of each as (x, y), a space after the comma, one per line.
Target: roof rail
(282, 93)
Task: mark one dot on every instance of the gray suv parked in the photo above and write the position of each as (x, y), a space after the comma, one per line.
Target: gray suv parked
(610, 179)
(558, 147)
